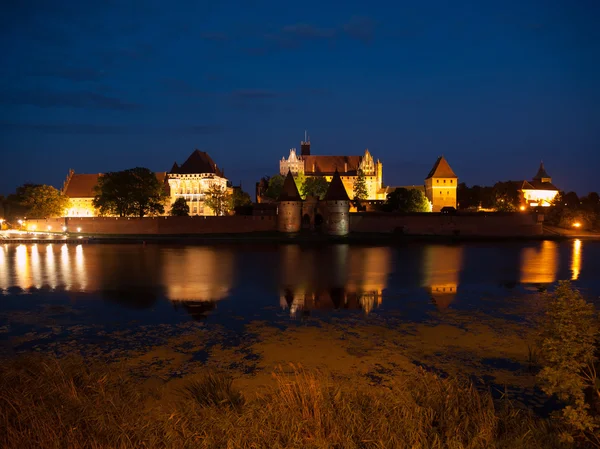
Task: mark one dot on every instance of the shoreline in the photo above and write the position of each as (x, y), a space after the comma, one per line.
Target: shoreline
(299, 238)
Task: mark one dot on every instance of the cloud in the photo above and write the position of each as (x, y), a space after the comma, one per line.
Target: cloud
(76, 99)
(250, 94)
(76, 74)
(180, 87)
(95, 129)
(360, 28)
(307, 31)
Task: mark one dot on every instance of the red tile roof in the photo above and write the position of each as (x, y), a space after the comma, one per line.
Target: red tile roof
(336, 190)
(441, 169)
(198, 162)
(289, 191)
(327, 165)
(82, 185)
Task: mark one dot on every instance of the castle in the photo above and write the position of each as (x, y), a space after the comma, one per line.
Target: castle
(190, 180)
(347, 166)
(539, 191)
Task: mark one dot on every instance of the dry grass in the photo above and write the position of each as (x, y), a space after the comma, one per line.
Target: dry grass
(64, 403)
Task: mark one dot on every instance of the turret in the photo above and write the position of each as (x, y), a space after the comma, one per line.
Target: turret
(338, 207)
(289, 210)
(542, 175)
(305, 146)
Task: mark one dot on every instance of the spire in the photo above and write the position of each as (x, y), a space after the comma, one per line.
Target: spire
(289, 191)
(542, 175)
(441, 169)
(336, 190)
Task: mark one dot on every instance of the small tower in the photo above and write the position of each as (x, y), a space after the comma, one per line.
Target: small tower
(289, 210)
(542, 175)
(338, 207)
(440, 185)
(305, 146)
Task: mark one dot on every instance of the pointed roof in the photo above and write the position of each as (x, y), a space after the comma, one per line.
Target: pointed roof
(441, 169)
(289, 191)
(198, 162)
(336, 190)
(174, 168)
(541, 173)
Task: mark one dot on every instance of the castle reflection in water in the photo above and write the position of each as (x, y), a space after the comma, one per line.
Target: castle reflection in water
(330, 277)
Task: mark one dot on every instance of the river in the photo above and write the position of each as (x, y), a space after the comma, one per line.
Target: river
(468, 308)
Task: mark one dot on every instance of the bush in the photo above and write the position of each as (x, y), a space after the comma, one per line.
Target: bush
(568, 351)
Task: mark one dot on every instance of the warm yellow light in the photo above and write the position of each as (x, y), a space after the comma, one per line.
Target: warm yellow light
(34, 227)
(576, 224)
(64, 228)
(20, 222)
(49, 227)
(78, 229)
(522, 208)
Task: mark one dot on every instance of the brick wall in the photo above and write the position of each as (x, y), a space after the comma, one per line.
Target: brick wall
(516, 224)
(158, 225)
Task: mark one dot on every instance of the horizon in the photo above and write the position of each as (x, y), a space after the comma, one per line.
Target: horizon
(494, 88)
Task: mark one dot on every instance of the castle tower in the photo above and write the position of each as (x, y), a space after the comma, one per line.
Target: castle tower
(338, 207)
(440, 185)
(305, 146)
(289, 210)
(542, 175)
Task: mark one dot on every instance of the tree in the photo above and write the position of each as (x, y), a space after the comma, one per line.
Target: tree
(360, 187)
(407, 200)
(506, 196)
(218, 200)
(315, 186)
(41, 201)
(569, 340)
(300, 179)
(180, 208)
(275, 186)
(240, 198)
(133, 192)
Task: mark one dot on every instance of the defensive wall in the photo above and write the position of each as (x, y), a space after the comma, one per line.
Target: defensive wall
(156, 225)
(467, 224)
(464, 224)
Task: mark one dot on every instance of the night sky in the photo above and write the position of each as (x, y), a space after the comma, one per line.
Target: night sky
(495, 86)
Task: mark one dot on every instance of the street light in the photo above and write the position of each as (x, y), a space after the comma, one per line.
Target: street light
(576, 224)
(78, 229)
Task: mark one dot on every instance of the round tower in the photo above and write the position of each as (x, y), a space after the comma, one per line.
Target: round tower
(289, 207)
(338, 207)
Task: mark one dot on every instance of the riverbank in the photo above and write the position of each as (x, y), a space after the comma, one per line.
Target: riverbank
(279, 238)
(49, 402)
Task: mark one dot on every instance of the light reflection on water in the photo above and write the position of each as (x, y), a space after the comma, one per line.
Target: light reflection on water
(305, 278)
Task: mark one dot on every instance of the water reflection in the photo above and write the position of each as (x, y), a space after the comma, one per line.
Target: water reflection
(576, 260)
(26, 267)
(195, 278)
(333, 277)
(539, 264)
(442, 266)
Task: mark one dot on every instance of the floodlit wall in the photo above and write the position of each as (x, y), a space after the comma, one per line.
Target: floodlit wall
(500, 224)
(157, 225)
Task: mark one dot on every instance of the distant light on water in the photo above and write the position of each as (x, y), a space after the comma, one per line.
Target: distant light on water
(50, 266)
(36, 268)
(576, 260)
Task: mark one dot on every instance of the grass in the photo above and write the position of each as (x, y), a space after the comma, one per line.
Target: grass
(52, 403)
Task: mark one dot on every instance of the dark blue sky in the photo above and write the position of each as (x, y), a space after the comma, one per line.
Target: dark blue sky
(495, 86)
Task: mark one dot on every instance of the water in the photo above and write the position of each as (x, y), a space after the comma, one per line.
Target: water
(465, 308)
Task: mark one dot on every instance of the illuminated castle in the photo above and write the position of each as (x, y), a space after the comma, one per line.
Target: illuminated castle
(346, 166)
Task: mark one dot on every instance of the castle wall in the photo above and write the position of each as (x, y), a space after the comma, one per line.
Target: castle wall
(289, 217)
(495, 224)
(158, 225)
(337, 221)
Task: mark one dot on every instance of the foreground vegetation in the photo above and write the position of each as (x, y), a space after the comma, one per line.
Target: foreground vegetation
(52, 403)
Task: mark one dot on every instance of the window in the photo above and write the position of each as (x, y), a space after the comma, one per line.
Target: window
(451, 181)
(438, 181)
(444, 181)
